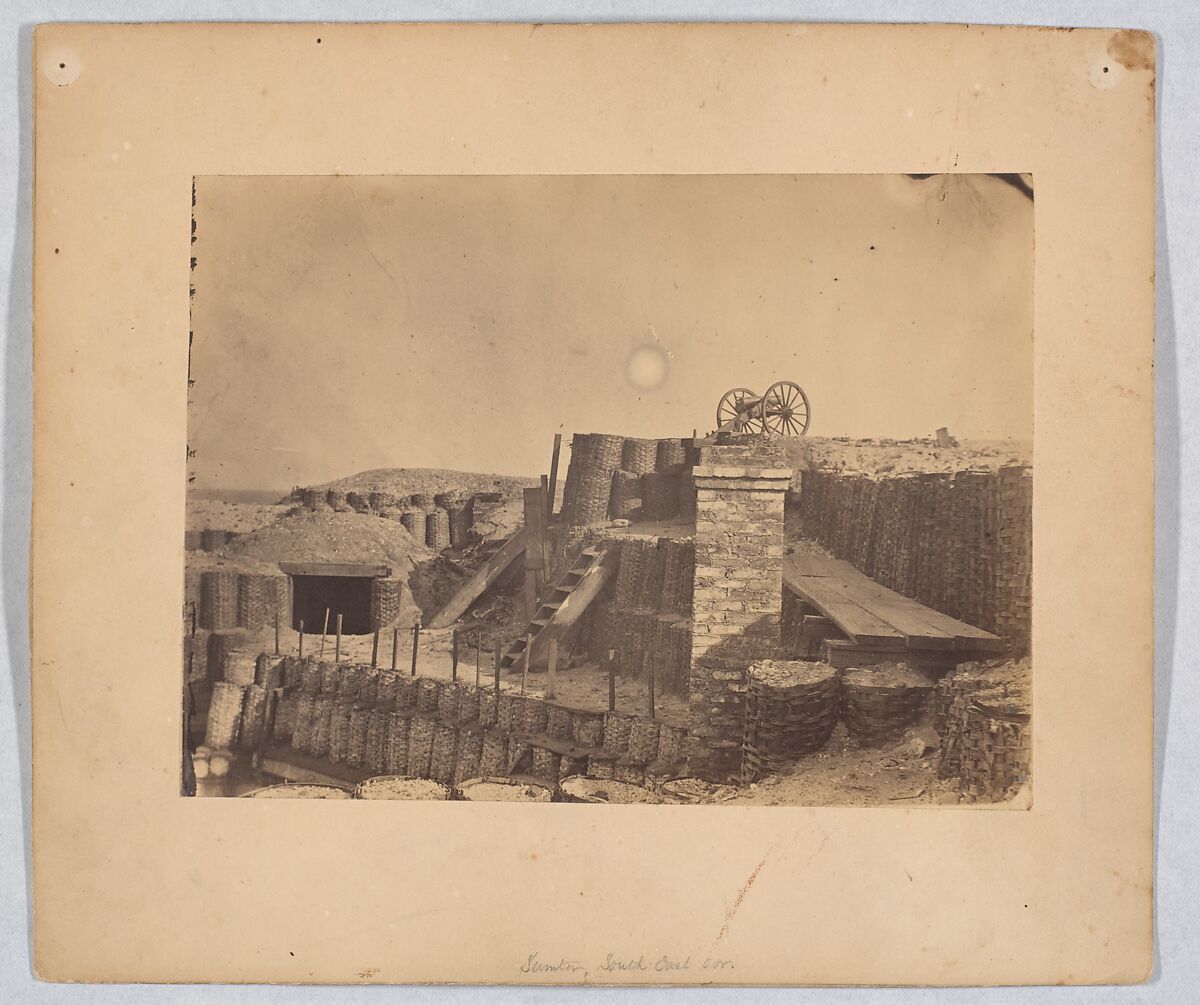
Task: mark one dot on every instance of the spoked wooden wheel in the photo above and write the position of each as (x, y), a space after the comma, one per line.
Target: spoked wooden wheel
(738, 411)
(785, 409)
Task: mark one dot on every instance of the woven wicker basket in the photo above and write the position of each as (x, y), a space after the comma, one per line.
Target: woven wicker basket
(580, 789)
(878, 705)
(470, 750)
(396, 757)
(669, 454)
(420, 747)
(218, 599)
(305, 790)
(490, 789)
(493, 760)
(437, 529)
(224, 715)
(400, 787)
(638, 455)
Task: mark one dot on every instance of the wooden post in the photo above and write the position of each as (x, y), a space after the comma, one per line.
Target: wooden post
(301, 634)
(324, 632)
(525, 664)
(547, 564)
(416, 640)
(375, 649)
(551, 667)
(454, 655)
(277, 631)
(337, 645)
(395, 646)
(499, 656)
(193, 619)
(612, 680)
(268, 726)
(478, 654)
(535, 534)
(553, 486)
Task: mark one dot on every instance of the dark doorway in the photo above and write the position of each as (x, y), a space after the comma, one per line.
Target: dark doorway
(349, 596)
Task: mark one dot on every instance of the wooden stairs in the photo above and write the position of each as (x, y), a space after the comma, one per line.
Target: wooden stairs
(563, 607)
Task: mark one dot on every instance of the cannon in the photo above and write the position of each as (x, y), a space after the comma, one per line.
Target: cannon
(784, 410)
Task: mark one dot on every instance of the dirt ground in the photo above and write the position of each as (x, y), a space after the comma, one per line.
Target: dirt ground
(903, 773)
(240, 517)
(894, 457)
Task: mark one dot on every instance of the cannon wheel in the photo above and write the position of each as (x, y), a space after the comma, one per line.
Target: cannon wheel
(736, 417)
(785, 409)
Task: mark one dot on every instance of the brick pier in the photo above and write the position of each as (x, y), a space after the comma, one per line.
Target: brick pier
(737, 589)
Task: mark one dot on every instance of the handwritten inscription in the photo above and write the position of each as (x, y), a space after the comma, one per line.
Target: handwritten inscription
(615, 966)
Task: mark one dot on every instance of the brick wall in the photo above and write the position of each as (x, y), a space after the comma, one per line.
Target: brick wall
(736, 597)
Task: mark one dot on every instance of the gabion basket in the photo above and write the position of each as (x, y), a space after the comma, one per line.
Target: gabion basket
(495, 789)
(377, 735)
(296, 790)
(493, 760)
(587, 730)
(224, 713)
(428, 694)
(441, 758)
(356, 751)
(879, 704)
(580, 789)
(420, 747)
(400, 787)
(470, 751)
(397, 743)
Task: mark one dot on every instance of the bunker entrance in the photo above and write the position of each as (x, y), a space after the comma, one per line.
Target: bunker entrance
(336, 588)
(349, 596)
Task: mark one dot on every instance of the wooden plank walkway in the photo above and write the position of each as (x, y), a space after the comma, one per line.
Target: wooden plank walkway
(873, 617)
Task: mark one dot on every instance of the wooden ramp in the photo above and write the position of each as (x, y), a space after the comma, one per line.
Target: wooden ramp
(876, 623)
(564, 606)
(497, 564)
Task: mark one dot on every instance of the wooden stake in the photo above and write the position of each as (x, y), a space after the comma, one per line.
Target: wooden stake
(324, 632)
(454, 655)
(551, 667)
(375, 649)
(276, 631)
(525, 665)
(612, 680)
(478, 654)
(337, 645)
(553, 486)
(395, 646)
(416, 641)
(650, 682)
(301, 634)
(499, 656)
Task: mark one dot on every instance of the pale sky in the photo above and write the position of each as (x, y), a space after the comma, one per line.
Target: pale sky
(348, 323)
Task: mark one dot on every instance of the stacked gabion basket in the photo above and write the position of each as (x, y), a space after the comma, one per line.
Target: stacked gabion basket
(880, 703)
(791, 709)
(982, 717)
(594, 458)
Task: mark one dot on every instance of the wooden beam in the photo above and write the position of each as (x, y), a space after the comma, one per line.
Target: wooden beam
(829, 596)
(485, 576)
(553, 486)
(575, 604)
(535, 549)
(335, 569)
(551, 669)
